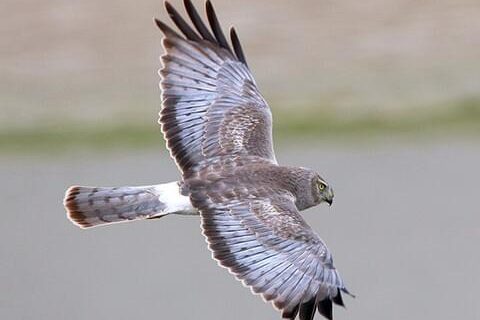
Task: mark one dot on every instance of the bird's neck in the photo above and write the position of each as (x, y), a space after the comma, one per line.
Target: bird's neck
(298, 182)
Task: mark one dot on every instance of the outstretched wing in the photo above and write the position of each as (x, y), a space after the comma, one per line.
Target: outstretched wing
(267, 245)
(210, 104)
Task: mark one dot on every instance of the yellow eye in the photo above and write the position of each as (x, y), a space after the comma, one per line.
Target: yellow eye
(321, 186)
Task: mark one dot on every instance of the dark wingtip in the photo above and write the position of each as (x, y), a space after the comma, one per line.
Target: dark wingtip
(307, 309)
(201, 31)
(167, 5)
(162, 26)
(325, 308)
(237, 47)
(338, 299)
(215, 25)
(344, 290)
(291, 314)
(197, 21)
(167, 31)
(181, 23)
(169, 8)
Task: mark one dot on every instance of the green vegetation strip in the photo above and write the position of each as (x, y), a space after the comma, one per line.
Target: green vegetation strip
(461, 118)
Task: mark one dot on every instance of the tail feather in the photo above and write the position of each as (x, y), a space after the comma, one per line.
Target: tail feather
(93, 206)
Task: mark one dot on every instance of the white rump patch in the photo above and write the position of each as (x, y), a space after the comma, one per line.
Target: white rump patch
(175, 202)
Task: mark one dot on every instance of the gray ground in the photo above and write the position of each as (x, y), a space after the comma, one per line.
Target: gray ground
(404, 231)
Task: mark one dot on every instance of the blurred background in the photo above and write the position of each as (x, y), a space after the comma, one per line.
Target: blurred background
(381, 97)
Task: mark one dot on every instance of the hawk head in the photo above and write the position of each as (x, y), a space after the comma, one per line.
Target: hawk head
(309, 188)
(321, 190)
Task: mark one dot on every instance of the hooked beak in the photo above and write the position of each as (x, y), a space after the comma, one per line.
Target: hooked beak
(329, 196)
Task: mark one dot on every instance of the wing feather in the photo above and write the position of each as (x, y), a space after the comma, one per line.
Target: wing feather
(237, 47)
(210, 104)
(215, 25)
(181, 23)
(197, 21)
(291, 266)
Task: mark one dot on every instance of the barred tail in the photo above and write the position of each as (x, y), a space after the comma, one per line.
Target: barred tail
(93, 206)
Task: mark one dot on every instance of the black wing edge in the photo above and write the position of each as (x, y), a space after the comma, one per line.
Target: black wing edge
(306, 309)
(201, 31)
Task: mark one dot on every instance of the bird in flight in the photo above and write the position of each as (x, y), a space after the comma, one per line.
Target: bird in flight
(218, 129)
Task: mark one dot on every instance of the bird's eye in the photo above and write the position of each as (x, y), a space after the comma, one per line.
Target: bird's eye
(321, 186)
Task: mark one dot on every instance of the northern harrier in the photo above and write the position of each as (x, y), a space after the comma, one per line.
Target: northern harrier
(218, 129)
